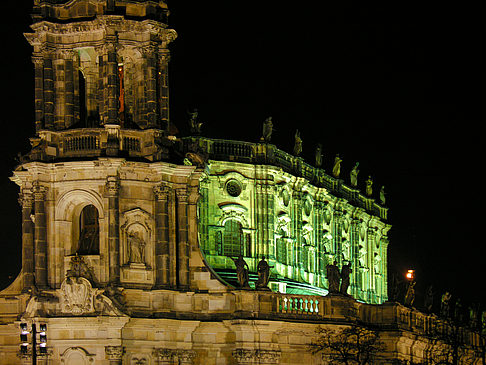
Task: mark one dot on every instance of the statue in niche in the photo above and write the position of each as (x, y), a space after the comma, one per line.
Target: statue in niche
(410, 294)
(242, 272)
(333, 277)
(382, 196)
(336, 170)
(445, 307)
(194, 124)
(429, 299)
(267, 130)
(354, 175)
(263, 269)
(369, 186)
(297, 143)
(136, 248)
(345, 273)
(319, 155)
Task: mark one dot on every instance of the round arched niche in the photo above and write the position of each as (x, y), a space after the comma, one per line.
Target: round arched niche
(68, 211)
(76, 356)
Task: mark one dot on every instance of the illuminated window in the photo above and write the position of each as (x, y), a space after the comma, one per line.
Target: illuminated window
(232, 238)
(89, 242)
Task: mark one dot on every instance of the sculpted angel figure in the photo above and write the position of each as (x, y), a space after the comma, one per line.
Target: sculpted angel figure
(369, 186)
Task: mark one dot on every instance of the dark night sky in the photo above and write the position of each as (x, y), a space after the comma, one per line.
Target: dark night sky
(399, 89)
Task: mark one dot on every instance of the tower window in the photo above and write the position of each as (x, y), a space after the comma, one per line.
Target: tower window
(89, 241)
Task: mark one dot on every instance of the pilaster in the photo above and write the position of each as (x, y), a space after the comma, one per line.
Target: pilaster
(162, 268)
(183, 242)
(112, 190)
(40, 234)
(26, 199)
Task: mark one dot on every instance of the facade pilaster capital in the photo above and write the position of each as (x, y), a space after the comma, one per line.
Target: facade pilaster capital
(163, 355)
(114, 352)
(39, 191)
(185, 356)
(26, 199)
(182, 194)
(161, 191)
(64, 54)
(112, 186)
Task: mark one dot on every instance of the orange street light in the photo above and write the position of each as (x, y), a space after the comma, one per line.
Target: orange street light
(410, 275)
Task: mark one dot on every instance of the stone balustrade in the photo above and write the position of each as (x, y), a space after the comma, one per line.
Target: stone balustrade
(268, 154)
(93, 142)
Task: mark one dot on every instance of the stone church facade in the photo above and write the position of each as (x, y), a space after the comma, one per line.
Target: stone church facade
(126, 250)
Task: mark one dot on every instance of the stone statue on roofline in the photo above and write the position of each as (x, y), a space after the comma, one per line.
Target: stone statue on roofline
(382, 196)
(333, 277)
(297, 144)
(445, 306)
(319, 155)
(410, 295)
(353, 176)
(263, 270)
(369, 186)
(429, 299)
(194, 124)
(267, 130)
(336, 170)
(242, 272)
(345, 274)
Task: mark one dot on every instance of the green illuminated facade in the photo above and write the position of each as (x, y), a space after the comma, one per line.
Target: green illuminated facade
(260, 201)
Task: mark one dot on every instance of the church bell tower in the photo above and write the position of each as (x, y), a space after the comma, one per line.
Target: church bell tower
(99, 199)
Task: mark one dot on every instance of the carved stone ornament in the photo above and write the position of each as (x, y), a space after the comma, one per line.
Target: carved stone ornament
(247, 356)
(114, 352)
(77, 296)
(169, 356)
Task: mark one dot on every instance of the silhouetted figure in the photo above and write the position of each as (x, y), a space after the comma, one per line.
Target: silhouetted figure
(333, 277)
(410, 295)
(345, 274)
(429, 299)
(445, 307)
(263, 270)
(242, 272)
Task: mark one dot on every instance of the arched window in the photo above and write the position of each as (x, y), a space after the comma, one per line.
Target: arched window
(89, 232)
(233, 238)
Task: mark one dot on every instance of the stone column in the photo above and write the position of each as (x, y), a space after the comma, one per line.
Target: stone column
(161, 193)
(59, 87)
(296, 216)
(112, 189)
(49, 97)
(183, 242)
(40, 234)
(114, 354)
(38, 92)
(26, 200)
